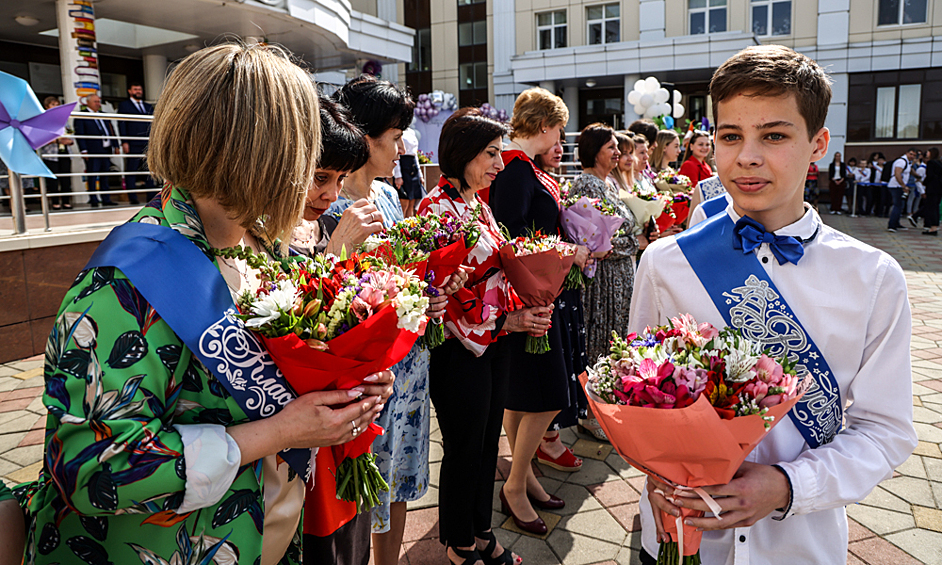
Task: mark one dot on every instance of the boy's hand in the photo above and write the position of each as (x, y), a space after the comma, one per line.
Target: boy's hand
(755, 492)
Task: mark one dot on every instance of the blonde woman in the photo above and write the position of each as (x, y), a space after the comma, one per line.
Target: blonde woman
(624, 172)
(666, 150)
(525, 198)
(146, 438)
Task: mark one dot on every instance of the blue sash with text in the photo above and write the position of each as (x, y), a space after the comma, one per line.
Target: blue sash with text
(189, 293)
(748, 300)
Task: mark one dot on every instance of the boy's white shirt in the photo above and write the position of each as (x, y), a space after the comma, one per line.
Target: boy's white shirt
(852, 301)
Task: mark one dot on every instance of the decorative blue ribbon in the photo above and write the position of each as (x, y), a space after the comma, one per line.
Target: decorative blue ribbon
(748, 300)
(750, 235)
(189, 293)
(714, 205)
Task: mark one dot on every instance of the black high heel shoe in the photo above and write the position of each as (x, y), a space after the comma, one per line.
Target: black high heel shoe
(487, 554)
(470, 557)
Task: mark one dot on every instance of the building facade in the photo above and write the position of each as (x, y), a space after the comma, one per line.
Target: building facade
(885, 56)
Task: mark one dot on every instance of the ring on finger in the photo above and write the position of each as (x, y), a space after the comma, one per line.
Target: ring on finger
(356, 428)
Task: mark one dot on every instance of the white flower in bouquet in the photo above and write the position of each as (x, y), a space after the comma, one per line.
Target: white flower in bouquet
(269, 307)
(741, 358)
(371, 243)
(410, 308)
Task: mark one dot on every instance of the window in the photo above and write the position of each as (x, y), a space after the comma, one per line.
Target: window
(604, 24)
(771, 18)
(551, 30)
(421, 52)
(469, 2)
(472, 75)
(901, 119)
(707, 16)
(899, 12)
(472, 33)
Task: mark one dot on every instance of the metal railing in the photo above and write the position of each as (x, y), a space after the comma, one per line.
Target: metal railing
(17, 198)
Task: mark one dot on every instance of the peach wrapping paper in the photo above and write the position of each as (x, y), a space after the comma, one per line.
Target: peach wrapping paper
(690, 446)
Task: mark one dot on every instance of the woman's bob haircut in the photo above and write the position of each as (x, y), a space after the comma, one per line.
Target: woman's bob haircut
(465, 134)
(537, 108)
(239, 124)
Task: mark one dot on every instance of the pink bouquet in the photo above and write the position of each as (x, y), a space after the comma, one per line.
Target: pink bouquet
(591, 222)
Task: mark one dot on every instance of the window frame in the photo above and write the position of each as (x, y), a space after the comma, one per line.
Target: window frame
(894, 127)
(770, 5)
(552, 28)
(590, 22)
(474, 73)
(706, 13)
(899, 15)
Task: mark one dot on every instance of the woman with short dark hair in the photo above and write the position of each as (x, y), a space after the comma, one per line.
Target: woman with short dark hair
(933, 192)
(471, 370)
(606, 301)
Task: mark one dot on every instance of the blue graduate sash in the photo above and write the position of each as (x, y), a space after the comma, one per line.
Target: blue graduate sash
(715, 205)
(189, 293)
(748, 300)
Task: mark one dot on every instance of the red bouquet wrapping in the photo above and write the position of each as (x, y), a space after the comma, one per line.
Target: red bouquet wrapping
(536, 268)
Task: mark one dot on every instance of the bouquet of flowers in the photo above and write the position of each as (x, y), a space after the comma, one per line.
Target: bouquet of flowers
(668, 180)
(536, 267)
(718, 395)
(645, 203)
(592, 222)
(328, 323)
(443, 242)
(425, 158)
(677, 190)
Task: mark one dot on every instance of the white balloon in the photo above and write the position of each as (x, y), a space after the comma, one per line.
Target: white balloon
(646, 100)
(679, 111)
(639, 109)
(650, 113)
(661, 95)
(664, 108)
(639, 85)
(677, 97)
(651, 84)
(633, 97)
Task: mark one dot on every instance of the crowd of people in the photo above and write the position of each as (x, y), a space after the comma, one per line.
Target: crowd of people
(149, 458)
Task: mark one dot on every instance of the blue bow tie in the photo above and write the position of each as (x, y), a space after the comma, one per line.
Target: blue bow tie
(750, 235)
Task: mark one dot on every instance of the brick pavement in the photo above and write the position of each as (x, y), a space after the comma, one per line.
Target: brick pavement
(900, 523)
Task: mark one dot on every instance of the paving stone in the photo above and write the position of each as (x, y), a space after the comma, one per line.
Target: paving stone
(913, 467)
(435, 452)
(937, 493)
(598, 524)
(614, 493)
(628, 556)
(434, 471)
(919, 389)
(535, 551)
(10, 441)
(37, 406)
(15, 404)
(622, 467)
(7, 467)
(427, 501)
(853, 560)
(28, 473)
(856, 532)
(31, 393)
(568, 436)
(19, 421)
(578, 499)
(424, 552)
(914, 491)
(421, 524)
(928, 518)
(923, 544)
(628, 515)
(576, 549)
(924, 448)
(594, 472)
(506, 538)
(26, 375)
(926, 416)
(33, 437)
(8, 383)
(593, 450)
(880, 521)
(24, 455)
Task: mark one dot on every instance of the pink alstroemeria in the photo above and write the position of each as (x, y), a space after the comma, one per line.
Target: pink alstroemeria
(372, 296)
(694, 379)
(768, 371)
(693, 333)
(757, 390)
(361, 308)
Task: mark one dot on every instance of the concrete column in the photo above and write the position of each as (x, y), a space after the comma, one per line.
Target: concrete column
(78, 49)
(571, 98)
(630, 114)
(548, 85)
(155, 74)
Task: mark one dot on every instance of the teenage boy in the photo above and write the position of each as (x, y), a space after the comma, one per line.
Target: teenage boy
(769, 266)
(897, 187)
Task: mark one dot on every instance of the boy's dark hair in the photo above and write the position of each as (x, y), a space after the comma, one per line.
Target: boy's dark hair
(773, 70)
(376, 105)
(646, 128)
(591, 140)
(343, 147)
(852, 161)
(465, 134)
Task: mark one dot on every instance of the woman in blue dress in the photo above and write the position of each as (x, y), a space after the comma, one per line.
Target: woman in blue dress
(383, 112)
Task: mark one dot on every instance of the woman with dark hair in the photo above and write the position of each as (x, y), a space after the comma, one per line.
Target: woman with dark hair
(933, 181)
(837, 179)
(606, 301)
(695, 166)
(471, 370)
(526, 199)
(382, 111)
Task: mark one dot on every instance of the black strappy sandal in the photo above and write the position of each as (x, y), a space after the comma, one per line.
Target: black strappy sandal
(505, 558)
(470, 557)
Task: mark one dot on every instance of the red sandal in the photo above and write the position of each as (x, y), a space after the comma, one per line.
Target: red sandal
(566, 462)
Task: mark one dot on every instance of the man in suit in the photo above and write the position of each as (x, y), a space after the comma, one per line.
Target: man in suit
(135, 105)
(94, 165)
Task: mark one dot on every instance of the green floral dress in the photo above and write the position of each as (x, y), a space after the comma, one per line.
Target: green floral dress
(121, 390)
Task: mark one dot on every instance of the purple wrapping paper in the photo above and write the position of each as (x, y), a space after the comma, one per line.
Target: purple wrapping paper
(586, 225)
